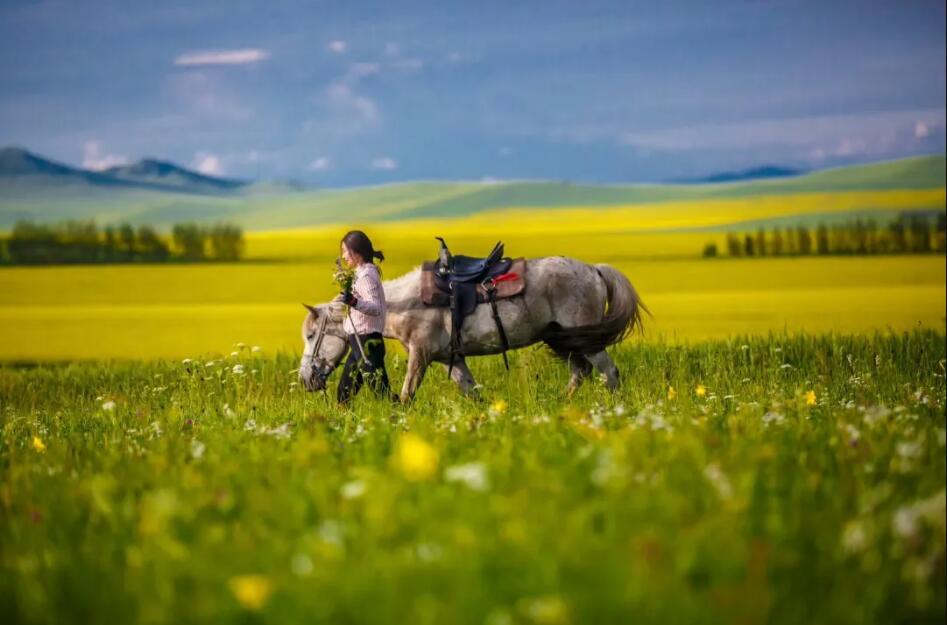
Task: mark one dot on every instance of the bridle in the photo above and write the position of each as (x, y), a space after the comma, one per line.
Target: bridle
(325, 370)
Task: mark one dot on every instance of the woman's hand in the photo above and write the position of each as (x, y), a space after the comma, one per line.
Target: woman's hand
(348, 299)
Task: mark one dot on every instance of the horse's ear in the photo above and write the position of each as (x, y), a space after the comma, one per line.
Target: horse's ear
(312, 309)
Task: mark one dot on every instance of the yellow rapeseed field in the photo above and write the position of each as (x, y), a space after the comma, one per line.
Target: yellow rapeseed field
(178, 311)
(156, 311)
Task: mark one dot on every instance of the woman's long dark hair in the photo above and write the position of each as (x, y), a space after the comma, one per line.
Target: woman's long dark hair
(358, 242)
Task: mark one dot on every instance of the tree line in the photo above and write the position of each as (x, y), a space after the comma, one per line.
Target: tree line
(83, 242)
(909, 233)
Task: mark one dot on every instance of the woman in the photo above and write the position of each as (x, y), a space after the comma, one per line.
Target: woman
(366, 320)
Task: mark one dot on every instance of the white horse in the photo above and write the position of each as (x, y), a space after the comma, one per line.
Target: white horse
(575, 308)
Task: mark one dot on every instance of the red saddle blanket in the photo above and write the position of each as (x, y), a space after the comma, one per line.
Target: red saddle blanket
(512, 283)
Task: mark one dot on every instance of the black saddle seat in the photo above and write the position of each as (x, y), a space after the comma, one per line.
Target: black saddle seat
(470, 269)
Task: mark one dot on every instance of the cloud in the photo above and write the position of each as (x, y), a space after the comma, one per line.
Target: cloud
(94, 159)
(359, 109)
(204, 95)
(859, 134)
(384, 163)
(408, 64)
(320, 164)
(222, 57)
(357, 71)
(392, 49)
(343, 111)
(208, 164)
(338, 46)
(505, 151)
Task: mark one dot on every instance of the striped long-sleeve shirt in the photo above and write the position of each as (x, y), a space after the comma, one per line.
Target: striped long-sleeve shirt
(368, 314)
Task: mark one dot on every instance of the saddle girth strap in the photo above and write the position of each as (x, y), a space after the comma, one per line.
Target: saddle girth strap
(504, 343)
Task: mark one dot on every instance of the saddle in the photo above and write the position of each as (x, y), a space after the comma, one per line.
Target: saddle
(464, 282)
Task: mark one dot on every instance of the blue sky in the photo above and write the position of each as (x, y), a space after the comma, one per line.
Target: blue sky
(366, 92)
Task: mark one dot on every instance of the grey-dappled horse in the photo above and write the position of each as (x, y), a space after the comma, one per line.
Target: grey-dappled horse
(575, 308)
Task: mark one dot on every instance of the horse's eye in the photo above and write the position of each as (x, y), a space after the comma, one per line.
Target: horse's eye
(309, 336)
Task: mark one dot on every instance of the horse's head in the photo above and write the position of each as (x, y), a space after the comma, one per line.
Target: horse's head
(324, 344)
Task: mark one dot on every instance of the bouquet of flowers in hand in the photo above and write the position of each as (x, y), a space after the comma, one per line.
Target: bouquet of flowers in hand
(343, 276)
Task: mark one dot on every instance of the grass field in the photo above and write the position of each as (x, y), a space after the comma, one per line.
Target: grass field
(753, 480)
(775, 455)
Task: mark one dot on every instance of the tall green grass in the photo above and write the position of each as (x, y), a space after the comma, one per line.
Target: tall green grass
(783, 479)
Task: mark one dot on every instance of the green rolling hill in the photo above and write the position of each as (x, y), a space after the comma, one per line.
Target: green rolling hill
(161, 194)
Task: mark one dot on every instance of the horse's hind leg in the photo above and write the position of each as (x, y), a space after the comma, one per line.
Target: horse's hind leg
(581, 368)
(464, 379)
(606, 366)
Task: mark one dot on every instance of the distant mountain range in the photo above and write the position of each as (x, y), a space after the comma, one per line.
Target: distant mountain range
(148, 174)
(756, 173)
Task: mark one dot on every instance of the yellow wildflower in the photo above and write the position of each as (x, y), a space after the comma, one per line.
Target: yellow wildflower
(251, 591)
(498, 407)
(415, 458)
(671, 393)
(39, 445)
(701, 390)
(810, 398)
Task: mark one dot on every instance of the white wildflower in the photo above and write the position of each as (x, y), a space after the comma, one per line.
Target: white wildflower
(874, 415)
(428, 552)
(854, 537)
(718, 480)
(910, 450)
(330, 531)
(605, 470)
(353, 489)
(473, 475)
(773, 418)
(108, 406)
(197, 449)
(301, 565)
(238, 370)
(853, 434)
(904, 522)
(931, 512)
(255, 349)
(280, 432)
(249, 425)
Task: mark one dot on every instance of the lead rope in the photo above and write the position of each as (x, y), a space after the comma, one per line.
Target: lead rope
(358, 340)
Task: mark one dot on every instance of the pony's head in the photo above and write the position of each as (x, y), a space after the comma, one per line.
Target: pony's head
(324, 344)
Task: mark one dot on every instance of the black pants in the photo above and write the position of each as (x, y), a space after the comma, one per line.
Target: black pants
(356, 371)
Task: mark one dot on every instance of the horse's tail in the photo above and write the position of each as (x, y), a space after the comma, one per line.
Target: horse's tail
(622, 316)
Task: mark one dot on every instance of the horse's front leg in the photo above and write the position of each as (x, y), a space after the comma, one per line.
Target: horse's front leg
(418, 361)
